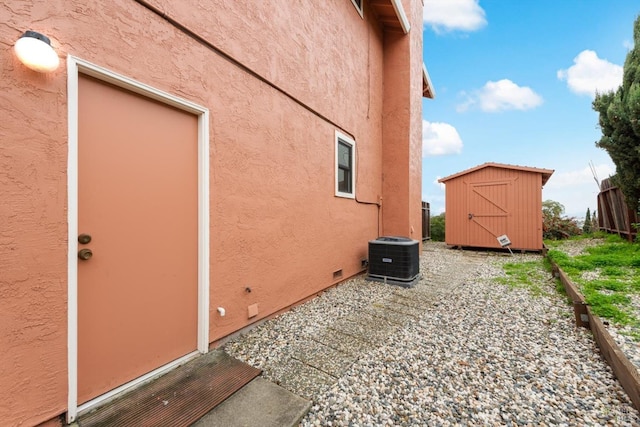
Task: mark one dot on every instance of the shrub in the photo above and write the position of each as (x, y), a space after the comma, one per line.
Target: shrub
(560, 228)
(437, 228)
(554, 225)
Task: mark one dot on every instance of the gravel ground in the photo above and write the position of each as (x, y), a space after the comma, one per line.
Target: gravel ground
(627, 344)
(621, 334)
(457, 349)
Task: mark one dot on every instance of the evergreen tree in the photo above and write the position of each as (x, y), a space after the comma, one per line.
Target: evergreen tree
(594, 222)
(619, 113)
(586, 228)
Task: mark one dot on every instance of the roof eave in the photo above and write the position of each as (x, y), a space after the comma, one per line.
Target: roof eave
(391, 15)
(402, 16)
(427, 87)
(546, 173)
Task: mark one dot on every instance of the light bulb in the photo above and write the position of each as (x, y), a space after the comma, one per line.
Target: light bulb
(35, 52)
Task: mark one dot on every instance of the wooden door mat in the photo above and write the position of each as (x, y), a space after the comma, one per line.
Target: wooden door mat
(178, 398)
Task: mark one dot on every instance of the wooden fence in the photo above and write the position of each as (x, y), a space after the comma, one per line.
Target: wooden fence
(613, 214)
(426, 221)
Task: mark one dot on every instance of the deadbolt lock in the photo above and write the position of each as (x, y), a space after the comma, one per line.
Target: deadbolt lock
(84, 238)
(85, 254)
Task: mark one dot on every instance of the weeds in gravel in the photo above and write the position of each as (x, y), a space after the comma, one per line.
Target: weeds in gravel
(558, 284)
(529, 275)
(585, 236)
(608, 275)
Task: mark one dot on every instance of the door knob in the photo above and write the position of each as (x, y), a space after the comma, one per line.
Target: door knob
(84, 238)
(85, 254)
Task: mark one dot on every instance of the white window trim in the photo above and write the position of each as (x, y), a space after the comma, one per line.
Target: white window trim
(359, 9)
(346, 139)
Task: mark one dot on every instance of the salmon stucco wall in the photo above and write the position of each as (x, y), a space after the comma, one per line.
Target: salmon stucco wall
(33, 231)
(402, 129)
(415, 8)
(278, 82)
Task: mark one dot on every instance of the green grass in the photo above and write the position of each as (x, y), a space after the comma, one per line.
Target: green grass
(528, 275)
(607, 275)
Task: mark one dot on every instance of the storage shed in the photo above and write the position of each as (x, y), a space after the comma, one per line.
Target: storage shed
(493, 200)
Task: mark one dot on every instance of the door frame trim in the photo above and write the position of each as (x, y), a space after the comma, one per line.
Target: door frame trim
(75, 67)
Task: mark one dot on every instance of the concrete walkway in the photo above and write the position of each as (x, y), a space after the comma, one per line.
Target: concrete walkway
(258, 404)
(313, 363)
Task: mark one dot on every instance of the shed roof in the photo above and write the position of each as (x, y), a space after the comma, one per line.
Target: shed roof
(546, 173)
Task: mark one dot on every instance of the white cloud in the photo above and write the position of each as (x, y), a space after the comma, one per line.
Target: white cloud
(589, 74)
(582, 176)
(501, 96)
(435, 196)
(439, 139)
(452, 15)
(576, 190)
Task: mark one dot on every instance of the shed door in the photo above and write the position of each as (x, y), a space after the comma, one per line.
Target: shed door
(488, 205)
(138, 200)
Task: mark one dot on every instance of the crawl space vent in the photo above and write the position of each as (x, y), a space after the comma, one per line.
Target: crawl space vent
(394, 260)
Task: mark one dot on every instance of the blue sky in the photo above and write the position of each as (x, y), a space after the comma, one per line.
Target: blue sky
(514, 83)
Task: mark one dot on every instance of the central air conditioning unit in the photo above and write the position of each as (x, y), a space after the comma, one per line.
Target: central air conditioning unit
(394, 260)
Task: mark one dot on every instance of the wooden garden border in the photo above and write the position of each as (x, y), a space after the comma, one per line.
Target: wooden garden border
(623, 369)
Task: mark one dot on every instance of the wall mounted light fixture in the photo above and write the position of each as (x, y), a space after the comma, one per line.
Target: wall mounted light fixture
(34, 51)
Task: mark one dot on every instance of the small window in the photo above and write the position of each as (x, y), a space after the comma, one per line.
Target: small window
(358, 5)
(345, 166)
